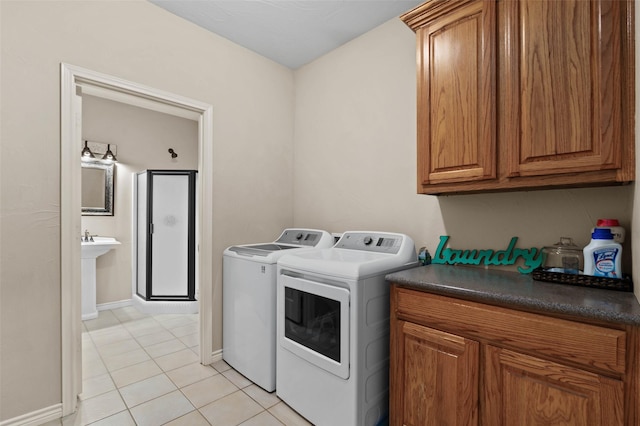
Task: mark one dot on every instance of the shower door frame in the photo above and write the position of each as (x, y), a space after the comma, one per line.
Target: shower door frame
(149, 231)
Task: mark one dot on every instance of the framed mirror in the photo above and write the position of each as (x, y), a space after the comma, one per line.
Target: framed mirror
(97, 189)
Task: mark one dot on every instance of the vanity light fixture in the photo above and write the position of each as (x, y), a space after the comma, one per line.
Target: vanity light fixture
(108, 156)
(86, 152)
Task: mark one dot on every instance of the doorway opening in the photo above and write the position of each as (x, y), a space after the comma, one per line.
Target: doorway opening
(75, 82)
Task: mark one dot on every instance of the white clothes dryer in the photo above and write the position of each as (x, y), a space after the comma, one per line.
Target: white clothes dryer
(333, 328)
(249, 302)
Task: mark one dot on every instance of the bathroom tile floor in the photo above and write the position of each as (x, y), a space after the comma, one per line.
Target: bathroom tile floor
(140, 369)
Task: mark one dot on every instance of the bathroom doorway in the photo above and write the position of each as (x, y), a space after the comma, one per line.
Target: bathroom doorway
(76, 82)
(141, 139)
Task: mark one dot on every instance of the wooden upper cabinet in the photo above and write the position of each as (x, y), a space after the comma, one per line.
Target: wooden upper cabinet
(563, 86)
(456, 86)
(524, 94)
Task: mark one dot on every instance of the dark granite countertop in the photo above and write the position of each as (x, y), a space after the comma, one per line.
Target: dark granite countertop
(515, 290)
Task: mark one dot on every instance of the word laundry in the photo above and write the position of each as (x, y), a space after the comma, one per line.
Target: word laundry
(532, 257)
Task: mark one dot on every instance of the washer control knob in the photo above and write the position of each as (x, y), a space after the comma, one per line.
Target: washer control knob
(300, 235)
(367, 240)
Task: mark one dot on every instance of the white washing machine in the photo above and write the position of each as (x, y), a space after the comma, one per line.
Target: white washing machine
(333, 328)
(249, 302)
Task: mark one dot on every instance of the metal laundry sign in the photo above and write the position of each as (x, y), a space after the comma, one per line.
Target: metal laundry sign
(532, 257)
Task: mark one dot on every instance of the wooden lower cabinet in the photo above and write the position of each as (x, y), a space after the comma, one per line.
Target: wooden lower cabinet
(439, 376)
(456, 362)
(524, 390)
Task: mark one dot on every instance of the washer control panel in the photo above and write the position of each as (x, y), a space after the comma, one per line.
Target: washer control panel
(301, 237)
(378, 242)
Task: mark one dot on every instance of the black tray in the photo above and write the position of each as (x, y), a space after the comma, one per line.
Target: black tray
(622, 284)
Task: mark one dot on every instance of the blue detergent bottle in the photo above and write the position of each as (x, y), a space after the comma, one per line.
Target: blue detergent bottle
(602, 255)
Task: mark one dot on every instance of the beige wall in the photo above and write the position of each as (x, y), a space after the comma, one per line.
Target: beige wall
(355, 161)
(143, 138)
(252, 101)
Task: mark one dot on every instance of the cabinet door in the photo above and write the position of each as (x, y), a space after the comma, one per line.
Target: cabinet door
(563, 87)
(456, 93)
(526, 391)
(434, 379)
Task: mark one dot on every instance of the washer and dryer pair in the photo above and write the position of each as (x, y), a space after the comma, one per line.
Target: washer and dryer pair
(330, 307)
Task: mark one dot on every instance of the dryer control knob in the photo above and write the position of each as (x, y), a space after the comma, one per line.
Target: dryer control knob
(367, 241)
(299, 236)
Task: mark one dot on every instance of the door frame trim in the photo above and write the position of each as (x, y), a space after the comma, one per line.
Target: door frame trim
(74, 81)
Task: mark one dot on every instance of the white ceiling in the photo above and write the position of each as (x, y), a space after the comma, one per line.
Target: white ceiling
(290, 32)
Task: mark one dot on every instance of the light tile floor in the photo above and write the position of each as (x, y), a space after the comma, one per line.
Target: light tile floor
(144, 370)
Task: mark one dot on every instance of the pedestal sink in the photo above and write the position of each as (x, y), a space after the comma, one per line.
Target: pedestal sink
(89, 252)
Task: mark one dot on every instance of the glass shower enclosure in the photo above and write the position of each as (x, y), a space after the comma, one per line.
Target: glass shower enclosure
(165, 217)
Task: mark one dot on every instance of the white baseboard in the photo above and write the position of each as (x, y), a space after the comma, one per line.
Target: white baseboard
(113, 305)
(35, 418)
(216, 356)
